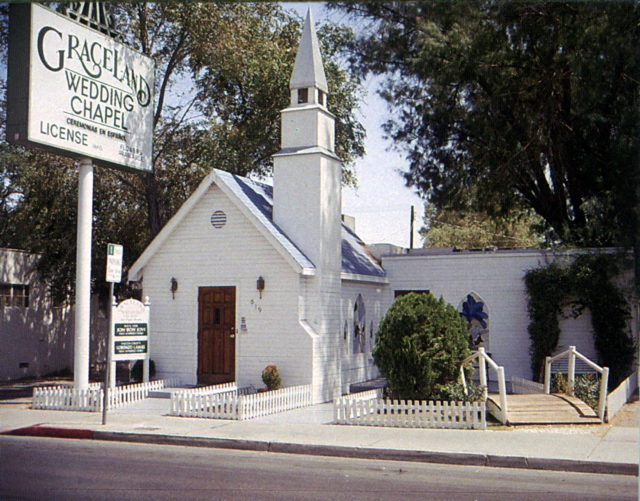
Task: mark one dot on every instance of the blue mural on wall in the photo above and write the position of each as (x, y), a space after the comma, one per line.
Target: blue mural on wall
(359, 326)
(474, 311)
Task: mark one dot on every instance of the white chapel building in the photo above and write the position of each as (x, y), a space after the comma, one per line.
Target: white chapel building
(247, 275)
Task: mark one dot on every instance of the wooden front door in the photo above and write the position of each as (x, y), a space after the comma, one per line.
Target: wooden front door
(216, 335)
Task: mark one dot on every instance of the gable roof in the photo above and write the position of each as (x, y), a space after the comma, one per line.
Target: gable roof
(356, 259)
(255, 201)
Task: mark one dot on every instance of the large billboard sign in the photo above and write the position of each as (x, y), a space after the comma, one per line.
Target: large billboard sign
(76, 92)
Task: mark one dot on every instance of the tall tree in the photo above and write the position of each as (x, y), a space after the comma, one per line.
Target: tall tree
(475, 230)
(501, 104)
(221, 79)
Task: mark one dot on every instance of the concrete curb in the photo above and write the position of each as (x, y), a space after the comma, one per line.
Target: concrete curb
(457, 458)
(50, 431)
(453, 458)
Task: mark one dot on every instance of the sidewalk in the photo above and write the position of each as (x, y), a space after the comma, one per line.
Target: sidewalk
(609, 448)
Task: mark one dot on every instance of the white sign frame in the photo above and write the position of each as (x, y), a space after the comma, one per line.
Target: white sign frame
(105, 91)
(129, 312)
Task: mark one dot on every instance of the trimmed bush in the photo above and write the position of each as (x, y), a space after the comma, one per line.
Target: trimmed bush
(271, 377)
(421, 343)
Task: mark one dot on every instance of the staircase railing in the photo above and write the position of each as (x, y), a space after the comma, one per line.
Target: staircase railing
(483, 361)
(571, 354)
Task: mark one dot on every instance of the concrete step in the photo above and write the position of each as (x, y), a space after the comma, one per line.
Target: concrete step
(164, 392)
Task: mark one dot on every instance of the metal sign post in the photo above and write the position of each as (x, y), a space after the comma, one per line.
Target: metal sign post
(114, 274)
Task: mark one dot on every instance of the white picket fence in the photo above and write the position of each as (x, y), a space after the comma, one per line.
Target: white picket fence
(210, 390)
(66, 398)
(120, 396)
(229, 403)
(272, 402)
(359, 410)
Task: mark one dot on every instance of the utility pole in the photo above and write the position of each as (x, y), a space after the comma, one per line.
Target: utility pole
(411, 228)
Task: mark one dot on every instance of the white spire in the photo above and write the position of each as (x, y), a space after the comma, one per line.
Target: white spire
(308, 70)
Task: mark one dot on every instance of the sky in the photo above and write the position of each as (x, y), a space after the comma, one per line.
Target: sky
(381, 203)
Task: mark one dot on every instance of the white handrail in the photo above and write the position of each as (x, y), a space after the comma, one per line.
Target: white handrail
(571, 354)
(483, 360)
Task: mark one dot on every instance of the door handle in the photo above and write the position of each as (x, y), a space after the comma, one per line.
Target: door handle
(232, 336)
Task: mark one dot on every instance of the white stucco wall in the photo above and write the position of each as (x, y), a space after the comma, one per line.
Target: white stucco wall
(39, 337)
(498, 278)
(199, 255)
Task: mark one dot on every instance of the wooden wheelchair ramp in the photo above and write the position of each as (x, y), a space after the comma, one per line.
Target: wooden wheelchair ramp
(541, 408)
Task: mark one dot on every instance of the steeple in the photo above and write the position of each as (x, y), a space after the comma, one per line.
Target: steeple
(308, 83)
(307, 202)
(306, 122)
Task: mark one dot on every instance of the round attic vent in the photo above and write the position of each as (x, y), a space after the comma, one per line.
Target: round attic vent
(218, 219)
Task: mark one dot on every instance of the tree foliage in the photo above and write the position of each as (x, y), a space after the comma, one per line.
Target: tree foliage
(588, 282)
(505, 104)
(222, 75)
(474, 230)
(420, 345)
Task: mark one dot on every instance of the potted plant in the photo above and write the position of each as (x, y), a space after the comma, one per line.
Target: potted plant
(271, 377)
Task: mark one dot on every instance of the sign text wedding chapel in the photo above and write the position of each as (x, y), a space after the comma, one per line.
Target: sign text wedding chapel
(83, 93)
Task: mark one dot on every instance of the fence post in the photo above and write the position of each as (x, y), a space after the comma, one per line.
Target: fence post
(503, 394)
(483, 372)
(571, 371)
(547, 375)
(602, 401)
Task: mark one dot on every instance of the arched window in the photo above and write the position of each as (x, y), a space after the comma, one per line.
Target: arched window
(474, 310)
(359, 325)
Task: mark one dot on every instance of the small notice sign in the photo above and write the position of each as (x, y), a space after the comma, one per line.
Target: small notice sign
(114, 263)
(138, 329)
(130, 347)
(130, 331)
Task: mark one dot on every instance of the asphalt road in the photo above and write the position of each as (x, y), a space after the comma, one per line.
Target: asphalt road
(64, 469)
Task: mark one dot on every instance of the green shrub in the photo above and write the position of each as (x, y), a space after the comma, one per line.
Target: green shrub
(586, 387)
(454, 392)
(559, 383)
(271, 377)
(421, 343)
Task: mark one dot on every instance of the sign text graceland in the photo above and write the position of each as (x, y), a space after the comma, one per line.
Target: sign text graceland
(88, 95)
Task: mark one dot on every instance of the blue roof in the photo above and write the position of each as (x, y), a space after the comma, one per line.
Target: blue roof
(258, 198)
(356, 258)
